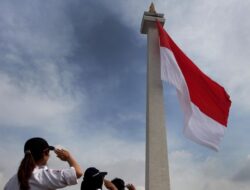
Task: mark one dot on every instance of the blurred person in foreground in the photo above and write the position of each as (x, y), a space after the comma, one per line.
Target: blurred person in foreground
(94, 179)
(120, 184)
(33, 173)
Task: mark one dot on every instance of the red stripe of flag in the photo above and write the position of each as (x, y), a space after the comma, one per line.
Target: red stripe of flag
(206, 94)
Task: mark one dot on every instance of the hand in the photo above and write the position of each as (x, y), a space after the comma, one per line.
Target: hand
(130, 186)
(64, 155)
(109, 185)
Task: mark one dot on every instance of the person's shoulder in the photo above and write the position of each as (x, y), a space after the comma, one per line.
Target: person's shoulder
(37, 170)
(12, 183)
(13, 179)
(46, 175)
(45, 169)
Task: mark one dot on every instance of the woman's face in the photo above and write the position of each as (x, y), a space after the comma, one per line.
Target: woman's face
(45, 157)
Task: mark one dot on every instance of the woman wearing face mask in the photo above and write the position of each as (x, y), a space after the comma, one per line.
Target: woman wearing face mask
(33, 173)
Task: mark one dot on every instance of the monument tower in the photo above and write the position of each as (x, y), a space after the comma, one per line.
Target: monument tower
(157, 170)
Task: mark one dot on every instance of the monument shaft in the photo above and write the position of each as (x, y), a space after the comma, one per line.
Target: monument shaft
(157, 170)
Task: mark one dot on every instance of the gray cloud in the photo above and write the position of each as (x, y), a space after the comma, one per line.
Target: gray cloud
(48, 57)
(74, 72)
(213, 34)
(37, 39)
(189, 171)
(243, 174)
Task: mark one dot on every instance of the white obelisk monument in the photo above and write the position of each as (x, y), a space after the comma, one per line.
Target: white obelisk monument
(157, 171)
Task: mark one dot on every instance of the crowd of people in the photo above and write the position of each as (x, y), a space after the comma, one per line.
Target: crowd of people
(33, 173)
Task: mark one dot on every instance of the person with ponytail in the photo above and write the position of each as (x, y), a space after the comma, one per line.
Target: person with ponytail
(33, 173)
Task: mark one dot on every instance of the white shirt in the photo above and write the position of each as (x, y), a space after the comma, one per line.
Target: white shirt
(43, 178)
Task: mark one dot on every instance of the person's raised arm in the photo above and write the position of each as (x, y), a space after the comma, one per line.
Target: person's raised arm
(130, 186)
(109, 185)
(64, 155)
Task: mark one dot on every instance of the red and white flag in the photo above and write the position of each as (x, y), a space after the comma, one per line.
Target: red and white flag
(204, 102)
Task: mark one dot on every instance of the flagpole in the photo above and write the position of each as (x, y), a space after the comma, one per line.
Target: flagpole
(157, 170)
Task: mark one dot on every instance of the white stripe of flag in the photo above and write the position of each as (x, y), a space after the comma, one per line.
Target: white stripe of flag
(205, 103)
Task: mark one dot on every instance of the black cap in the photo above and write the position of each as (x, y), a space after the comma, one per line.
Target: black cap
(37, 145)
(92, 172)
(119, 183)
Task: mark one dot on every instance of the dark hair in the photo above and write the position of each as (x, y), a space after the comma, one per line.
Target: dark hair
(34, 149)
(92, 184)
(25, 170)
(119, 183)
(93, 179)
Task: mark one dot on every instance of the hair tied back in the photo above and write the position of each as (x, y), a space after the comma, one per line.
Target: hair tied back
(27, 152)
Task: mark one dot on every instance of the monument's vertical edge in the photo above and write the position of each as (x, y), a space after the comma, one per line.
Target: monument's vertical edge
(157, 170)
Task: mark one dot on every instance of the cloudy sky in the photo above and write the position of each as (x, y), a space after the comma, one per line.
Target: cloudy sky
(74, 72)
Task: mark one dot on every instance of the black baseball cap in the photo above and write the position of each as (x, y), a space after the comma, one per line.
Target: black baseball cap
(92, 172)
(37, 145)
